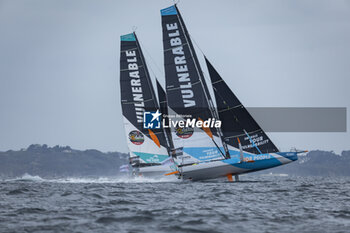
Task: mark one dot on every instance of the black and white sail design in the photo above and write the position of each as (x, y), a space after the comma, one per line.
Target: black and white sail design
(236, 120)
(137, 97)
(186, 90)
(163, 106)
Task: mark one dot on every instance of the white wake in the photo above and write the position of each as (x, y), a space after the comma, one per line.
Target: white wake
(34, 178)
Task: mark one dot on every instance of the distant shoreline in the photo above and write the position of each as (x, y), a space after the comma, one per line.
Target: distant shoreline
(63, 161)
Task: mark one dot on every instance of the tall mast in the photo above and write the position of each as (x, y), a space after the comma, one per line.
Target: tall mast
(202, 80)
(148, 78)
(137, 96)
(187, 93)
(163, 106)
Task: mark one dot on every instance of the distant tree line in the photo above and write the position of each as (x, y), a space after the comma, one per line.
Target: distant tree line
(62, 161)
(59, 161)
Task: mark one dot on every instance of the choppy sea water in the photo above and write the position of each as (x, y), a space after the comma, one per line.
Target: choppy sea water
(255, 204)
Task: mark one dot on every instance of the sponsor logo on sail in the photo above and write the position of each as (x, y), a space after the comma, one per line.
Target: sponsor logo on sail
(135, 83)
(184, 132)
(153, 159)
(254, 140)
(181, 65)
(136, 137)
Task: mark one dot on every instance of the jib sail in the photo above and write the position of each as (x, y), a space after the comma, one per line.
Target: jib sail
(147, 146)
(236, 120)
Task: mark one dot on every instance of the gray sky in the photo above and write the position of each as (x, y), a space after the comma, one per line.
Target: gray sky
(59, 63)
